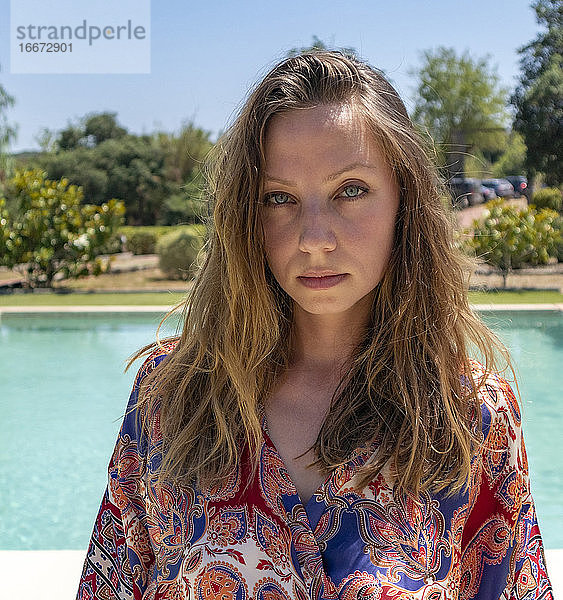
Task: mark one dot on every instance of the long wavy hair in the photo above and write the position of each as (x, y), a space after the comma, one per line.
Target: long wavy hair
(406, 389)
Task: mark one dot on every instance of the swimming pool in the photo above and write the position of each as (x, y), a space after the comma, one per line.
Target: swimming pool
(63, 392)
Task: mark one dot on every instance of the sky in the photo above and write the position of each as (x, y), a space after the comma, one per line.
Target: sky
(205, 56)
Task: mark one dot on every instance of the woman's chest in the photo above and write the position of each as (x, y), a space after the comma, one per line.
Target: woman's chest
(262, 540)
(294, 415)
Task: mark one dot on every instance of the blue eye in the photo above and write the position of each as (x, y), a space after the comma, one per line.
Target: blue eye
(272, 199)
(353, 191)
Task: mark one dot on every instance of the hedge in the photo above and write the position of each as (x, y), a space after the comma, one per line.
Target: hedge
(143, 239)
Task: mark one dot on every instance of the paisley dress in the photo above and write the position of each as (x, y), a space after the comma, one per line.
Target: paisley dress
(258, 541)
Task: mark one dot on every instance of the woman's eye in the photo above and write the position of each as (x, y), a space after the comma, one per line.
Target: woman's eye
(276, 198)
(353, 191)
(280, 198)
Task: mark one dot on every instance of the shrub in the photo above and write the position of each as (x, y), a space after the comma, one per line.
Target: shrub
(180, 208)
(142, 242)
(511, 238)
(45, 228)
(178, 250)
(559, 227)
(139, 242)
(547, 198)
(113, 245)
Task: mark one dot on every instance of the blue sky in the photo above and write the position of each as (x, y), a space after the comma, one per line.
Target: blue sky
(206, 55)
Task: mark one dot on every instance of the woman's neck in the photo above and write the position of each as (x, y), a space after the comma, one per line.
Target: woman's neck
(325, 342)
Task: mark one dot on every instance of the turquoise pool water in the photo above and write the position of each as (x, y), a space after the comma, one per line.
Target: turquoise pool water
(63, 392)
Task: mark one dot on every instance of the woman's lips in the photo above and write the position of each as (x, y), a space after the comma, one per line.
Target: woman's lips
(322, 283)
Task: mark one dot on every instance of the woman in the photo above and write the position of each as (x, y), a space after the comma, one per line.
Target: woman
(319, 429)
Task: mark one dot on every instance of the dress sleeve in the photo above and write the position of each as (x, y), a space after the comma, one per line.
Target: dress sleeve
(120, 558)
(502, 549)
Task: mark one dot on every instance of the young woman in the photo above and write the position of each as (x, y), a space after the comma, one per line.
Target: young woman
(319, 429)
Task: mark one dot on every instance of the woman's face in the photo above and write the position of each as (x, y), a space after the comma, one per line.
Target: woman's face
(329, 207)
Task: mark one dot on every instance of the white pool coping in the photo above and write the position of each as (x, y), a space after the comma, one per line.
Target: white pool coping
(164, 309)
(555, 306)
(54, 574)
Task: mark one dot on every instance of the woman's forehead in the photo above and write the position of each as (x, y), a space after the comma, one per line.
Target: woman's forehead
(332, 135)
(324, 117)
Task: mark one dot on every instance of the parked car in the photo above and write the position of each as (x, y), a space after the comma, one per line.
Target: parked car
(465, 191)
(502, 187)
(488, 193)
(520, 185)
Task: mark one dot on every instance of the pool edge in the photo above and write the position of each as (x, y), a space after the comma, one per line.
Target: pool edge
(557, 307)
(55, 574)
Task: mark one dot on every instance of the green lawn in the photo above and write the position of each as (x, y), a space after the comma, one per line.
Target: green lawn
(517, 297)
(112, 299)
(160, 299)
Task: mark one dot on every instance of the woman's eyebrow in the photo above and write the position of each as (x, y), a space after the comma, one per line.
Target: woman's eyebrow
(331, 177)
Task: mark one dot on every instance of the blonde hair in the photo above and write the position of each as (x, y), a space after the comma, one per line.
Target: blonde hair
(405, 387)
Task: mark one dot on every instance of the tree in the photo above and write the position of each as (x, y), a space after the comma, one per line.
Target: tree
(511, 238)
(7, 132)
(69, 138)
(184, 151)
(135, 168)
(130, 168)
(157, 176)
(90, 131)
(101, 127)
(539, 97)
(318, 44)
(46, 230)
(512, 160)
(45, 137)
(461, 104)
(184, 156)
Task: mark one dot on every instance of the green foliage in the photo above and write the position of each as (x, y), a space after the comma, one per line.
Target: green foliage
(113, 245)
(46, 139)
(156, 230)
(459, 102)
(547, 198)
(537, 98)
(477, 165)
(69, 138)
(109, 299)
(184, 151)
(512, 160)
(130, 168)
(46, 230)
(559, 227)
(185, 207)
(143, 239)
(184, 156)
(91, 130)
(511, 238)
(101, 127)
(155, 175)
(178, 208)
(177, 252)
(141, 242)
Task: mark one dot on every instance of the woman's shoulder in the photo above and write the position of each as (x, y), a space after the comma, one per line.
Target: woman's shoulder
(158, 353)
(499, 406)
(142, 396)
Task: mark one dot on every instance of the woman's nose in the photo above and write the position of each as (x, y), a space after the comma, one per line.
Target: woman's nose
(316, 230)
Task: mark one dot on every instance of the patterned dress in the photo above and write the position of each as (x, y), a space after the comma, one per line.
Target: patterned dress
(239, 542)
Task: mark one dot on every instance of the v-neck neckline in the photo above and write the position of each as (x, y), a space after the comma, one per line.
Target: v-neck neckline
(359, 456)
(269, 442)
